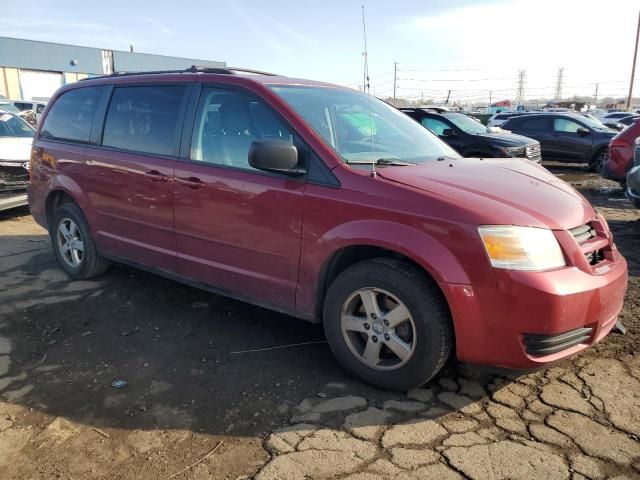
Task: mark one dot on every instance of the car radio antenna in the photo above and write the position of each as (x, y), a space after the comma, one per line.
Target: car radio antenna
(367, 87)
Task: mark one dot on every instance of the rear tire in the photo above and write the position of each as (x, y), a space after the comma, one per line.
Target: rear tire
(73, 244)
(596, 164)
(398, 350)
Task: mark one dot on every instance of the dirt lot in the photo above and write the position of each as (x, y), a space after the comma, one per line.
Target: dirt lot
(202, 372)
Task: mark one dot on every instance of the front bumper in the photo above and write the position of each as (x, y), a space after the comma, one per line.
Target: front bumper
(511, 325)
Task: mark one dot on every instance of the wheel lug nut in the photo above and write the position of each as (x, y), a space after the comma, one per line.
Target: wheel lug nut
(367, 326)
(374, 338)
(374, 316)
(386, 336)
(386, 323)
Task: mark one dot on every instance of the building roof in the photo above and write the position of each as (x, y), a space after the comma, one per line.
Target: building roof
(58, 57)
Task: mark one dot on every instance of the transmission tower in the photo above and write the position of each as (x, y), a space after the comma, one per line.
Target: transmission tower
(521, 80)
(559, 82)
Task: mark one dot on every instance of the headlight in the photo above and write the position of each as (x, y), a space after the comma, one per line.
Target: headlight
(521, 248)
(512, 151)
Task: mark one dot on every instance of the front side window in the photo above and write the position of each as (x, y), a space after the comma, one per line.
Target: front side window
(436, 126)
(566, 126)
(359, 134)
(40, 108)
(144, 119)
(12, 126)
(71, 116)
(228, 122)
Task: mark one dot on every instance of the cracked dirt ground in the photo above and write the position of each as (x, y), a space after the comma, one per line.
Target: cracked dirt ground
(288, 413)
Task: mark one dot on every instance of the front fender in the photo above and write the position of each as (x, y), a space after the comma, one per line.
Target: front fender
(425, 246)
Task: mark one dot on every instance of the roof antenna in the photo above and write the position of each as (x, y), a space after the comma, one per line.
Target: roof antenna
(367, 87)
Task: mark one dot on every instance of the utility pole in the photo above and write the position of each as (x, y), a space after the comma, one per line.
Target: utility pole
(520, 95)
(559, 81)
(595, 97)
(633, 66)
(395, 78)
(446, 102)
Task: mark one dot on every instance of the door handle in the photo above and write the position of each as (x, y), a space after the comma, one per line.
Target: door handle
(156, 176)
(194, 183)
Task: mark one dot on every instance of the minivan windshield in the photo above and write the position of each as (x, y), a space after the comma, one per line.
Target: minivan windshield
(12, 126)
(465, 123)
(342, 118)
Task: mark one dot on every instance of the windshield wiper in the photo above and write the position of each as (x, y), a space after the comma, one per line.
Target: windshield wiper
(381, 162)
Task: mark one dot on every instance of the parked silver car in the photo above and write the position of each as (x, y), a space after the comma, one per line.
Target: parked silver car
(16, 137)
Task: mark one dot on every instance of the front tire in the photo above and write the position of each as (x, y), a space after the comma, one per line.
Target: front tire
(73, 244)
(388, 324)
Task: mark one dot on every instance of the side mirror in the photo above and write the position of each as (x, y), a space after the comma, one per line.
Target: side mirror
(448, 132)
(274, 156)
(583, 131)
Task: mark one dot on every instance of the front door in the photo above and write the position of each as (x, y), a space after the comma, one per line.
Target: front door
(569, 143)
(129, 177)
(238, 229)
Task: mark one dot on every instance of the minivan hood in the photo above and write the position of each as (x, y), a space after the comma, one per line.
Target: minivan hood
(15, 149)
(500, 191)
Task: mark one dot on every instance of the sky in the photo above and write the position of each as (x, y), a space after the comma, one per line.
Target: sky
(469, 47)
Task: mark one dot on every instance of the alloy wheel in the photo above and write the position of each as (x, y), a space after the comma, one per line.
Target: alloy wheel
(70, 243)
(378, 329)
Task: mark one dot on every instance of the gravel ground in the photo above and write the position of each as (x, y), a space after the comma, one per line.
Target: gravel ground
(199, 393)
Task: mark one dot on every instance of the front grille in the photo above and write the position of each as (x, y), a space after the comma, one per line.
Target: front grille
(532, 152)
(583, 233)
(540, 345)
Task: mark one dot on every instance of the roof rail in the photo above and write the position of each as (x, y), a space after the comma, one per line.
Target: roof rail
(191, 69)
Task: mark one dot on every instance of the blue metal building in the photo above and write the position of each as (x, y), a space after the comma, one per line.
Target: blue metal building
(33, 70)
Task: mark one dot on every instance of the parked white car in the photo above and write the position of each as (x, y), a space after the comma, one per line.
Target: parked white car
(16, 137)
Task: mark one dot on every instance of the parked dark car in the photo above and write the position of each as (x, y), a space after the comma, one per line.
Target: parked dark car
(633, 178)
(472, 139)
(628, 120)
(565, 136)
(621, 149)
(321, 202)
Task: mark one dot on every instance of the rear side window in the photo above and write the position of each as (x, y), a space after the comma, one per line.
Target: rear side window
(533, 124)
(144, 119)
(71, 116)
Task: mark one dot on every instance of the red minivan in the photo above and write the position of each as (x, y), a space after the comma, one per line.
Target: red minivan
(314, 200)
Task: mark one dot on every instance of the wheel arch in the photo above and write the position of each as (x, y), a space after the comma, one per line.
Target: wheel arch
(63, 190)
(430, 257)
